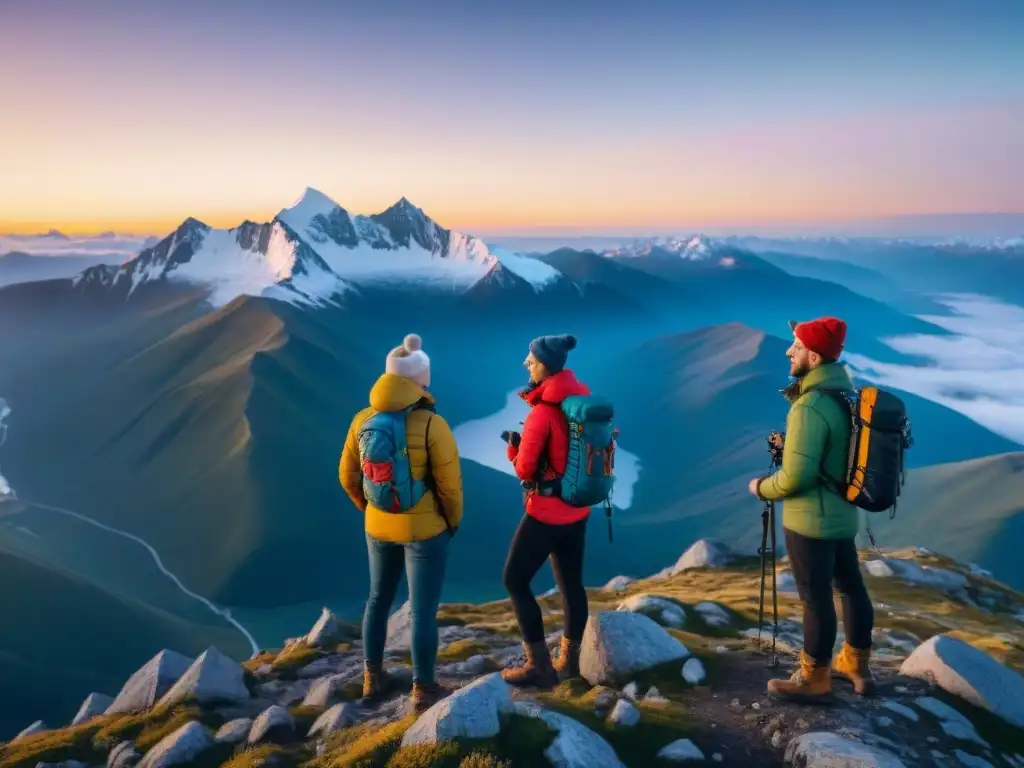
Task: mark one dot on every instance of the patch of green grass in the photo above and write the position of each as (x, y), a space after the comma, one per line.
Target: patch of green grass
(147, 728)
(304, 717)
(461, 650)
(54, 746)
(264, 657)
(280, 756)
(367, 745)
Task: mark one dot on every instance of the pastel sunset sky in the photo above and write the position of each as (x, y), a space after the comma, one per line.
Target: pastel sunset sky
(500, 116)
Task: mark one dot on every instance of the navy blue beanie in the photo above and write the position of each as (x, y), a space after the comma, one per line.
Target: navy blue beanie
(552, 351)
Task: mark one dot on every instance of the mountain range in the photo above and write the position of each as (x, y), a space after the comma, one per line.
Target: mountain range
(196, 396)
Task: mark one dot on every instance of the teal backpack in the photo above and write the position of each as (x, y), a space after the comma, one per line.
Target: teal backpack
(590, 469)
(384, 458)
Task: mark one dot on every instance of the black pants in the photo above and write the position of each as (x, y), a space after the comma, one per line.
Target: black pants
(533, 543)
(819, 567)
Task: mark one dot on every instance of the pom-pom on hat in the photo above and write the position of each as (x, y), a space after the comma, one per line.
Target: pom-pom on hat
(410, 361)
(826, 335)
(552, 351)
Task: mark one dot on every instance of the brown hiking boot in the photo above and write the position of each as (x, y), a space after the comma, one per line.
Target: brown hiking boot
(426, 695)
(376, 681)
(852, 663)
(810, 683)
(537, 671)
(567, 666)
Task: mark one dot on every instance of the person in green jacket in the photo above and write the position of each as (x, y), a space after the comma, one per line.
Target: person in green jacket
(819, 525)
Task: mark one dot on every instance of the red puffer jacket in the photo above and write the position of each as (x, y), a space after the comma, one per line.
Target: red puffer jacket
(545, 442)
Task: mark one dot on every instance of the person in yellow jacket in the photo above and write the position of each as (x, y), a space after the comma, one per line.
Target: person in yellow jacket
(400, 466)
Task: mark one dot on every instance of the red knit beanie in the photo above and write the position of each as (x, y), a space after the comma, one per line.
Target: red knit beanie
(826, 335)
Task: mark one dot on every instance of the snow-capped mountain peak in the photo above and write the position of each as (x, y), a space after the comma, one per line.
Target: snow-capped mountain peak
(312, 250)
(693, 247)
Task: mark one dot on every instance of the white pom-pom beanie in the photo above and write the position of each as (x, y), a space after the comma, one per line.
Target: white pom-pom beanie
(410, 361)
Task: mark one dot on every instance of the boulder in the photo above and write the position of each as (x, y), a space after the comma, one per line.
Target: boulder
(955, 725)
(693, 671)
(969, 673)
(703, 553)
(618, 584)
(625, 714)
(95, 704)
(713, 614)
(472, 712)
(123, 755)
(924, 575)
(324, 690)
(149, 683)
(576, 746)
(399, 637)
(785, 584)
(37, 727)
(658, 608)
(273, 724)
(234, 731)
(327, 632)
(901, 710)
(681, 751)
(822, 749)
(616, 644)
(213, 677)
(334, 719)
(653, 696)
(182, 746)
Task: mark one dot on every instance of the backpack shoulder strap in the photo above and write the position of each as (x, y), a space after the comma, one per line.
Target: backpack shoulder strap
(429, 480)
(842, 398)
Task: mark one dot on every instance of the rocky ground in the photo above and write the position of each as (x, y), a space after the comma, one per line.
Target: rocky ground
(671, 673)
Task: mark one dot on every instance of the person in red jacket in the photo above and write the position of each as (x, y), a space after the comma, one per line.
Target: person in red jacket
(550, 527)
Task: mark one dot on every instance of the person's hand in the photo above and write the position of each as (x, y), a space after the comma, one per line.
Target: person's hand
(512, 438)
(778, 439)
(753, 485)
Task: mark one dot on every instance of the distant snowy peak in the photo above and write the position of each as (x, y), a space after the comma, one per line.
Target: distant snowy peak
(695, 247)
(252, 259)
(314, 250)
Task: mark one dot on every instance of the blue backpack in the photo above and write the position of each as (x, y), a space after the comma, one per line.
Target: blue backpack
(384, 457)
(590, 469)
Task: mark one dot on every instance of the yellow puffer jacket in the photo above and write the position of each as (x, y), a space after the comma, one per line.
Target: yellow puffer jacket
(424, 521)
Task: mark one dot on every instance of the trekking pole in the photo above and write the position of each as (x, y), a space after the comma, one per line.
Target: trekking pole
(608, 515)
(768, 521)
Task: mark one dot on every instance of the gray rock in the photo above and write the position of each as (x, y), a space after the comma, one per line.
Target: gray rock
(942, 710)
(37, 727)
(605, 699)
(962, 732)
(399, 637)
(785, 583)
(617, 644)
(659, 608)
(776, 740)
(618, 585)
(182, 746)
(624, 714)
(327, 632)
(693, 671)
(63, 764)
(969, 673)
(820, 749)
(704, 553)
(95, 704)
(334, 719)
(631, 691)
(272, 721)
(472, 712)
(212, 677)
(324, 690)
(902, 710)
(123, 755)
(681, 751)
(909, 571)
(972, 761)
(654, 696)
(884, 721)
(234, 731)
(471, 667)
(576, 746)
(150, 682)
(317, 668)
(713, 614)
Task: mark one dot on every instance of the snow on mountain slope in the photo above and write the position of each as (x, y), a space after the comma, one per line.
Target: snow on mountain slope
(695, 248)
(314, 250)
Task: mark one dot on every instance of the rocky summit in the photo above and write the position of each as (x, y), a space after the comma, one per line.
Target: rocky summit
(673, 674)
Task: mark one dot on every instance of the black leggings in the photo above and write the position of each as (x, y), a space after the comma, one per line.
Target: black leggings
(533, 543)
(819, 567)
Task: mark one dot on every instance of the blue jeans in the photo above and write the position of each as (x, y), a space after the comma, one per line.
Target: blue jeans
(424, 563)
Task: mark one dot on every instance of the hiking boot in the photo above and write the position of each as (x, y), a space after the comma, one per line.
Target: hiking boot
(426, 695)
(376, 681)
(567, 666)
(537, 671)
(810, 683)
(852, 663)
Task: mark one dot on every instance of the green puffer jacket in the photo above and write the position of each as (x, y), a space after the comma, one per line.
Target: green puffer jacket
(817, 428)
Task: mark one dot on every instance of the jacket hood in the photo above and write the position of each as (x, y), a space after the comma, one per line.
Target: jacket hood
(555, 389)
(394, 393)
(827, 376)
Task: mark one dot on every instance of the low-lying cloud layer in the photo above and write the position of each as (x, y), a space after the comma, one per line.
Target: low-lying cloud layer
(112, 248)
(979, 371)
